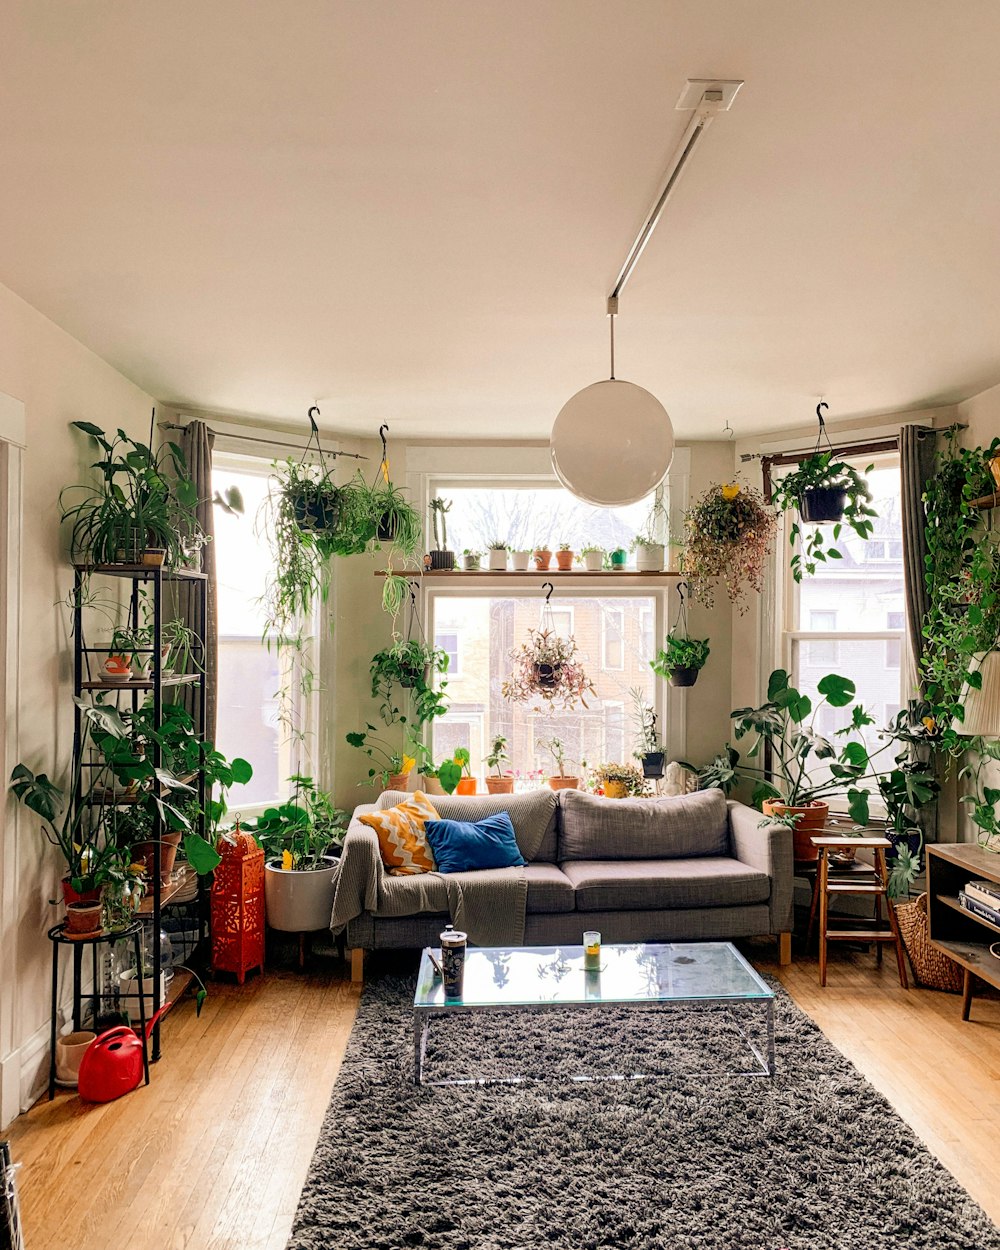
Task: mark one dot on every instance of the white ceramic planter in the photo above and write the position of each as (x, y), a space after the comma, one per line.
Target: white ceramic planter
(593, 561)
(519, 561)
(471, 564)
(497, 561)
(127, 986)
(649, 559)
(299, 902)
(70, 1049)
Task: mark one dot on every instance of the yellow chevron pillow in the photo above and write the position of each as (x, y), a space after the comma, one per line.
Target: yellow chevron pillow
(401, 839)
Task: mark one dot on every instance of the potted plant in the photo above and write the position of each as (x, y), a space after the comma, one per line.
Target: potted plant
(496, 556)
(648, 747)
(118, 666)
(729, 532)
(564, 557)
(519, 561)
(413, 666)
(543, 558)
(467, 784)
(472, 561)
(593, 559)
(681, 660)
(397, 522)
(649, 554)
(388, 763)
(618, 558)
(497, 757)
(442, 778)
(302, 841)
(546, 667)
(621, 781)
(560, 781)
(823, 491)
(441, 557)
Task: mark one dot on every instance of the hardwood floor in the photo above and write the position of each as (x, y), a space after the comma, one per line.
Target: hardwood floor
(212, 1155)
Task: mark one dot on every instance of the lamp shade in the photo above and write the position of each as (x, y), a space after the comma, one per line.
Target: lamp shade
(612, 443)
(982, 706)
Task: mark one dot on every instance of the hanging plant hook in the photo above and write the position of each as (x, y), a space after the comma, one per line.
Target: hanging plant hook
(822, 431)
(549, 592)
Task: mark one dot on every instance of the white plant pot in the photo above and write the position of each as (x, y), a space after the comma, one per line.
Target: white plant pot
(497, 561)
(519, 561)
(649, 559)
(299, 902)
(127, 986)
(471, 564)
(593, 561)
(70, 1049)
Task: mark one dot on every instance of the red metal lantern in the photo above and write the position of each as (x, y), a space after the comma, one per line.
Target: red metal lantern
(238, 905)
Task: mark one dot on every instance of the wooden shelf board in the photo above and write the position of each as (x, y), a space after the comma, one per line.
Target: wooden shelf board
(987, 501)
(537, 574)
(142, 570)
(968, 855)
(972, 955)
(182, 878)
(186, 680)
(112, 798)
(950, 901)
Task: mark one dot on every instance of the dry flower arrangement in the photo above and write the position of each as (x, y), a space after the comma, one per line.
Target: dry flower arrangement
(730, 532)
(546, 667)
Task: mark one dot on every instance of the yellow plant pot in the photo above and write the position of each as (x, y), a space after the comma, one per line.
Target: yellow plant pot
(615, 790)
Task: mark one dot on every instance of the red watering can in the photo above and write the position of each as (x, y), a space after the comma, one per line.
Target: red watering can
(114, 1063)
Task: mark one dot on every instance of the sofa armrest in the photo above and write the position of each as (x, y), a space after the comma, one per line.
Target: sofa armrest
(768, 848)
(361, 870)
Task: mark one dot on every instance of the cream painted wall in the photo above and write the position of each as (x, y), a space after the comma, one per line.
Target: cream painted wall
(58, 381)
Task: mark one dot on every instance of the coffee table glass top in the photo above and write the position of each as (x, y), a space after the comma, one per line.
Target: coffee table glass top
(639, 972)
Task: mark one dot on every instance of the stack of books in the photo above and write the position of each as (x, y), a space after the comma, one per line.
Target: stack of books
(982, 899)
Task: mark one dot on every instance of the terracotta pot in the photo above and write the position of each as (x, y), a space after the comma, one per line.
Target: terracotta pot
(564, 783)
(564, 560)
(431, 785)
(994, 465)
(71, 896)
(153, 557)
(83, 918)
(500, 785)
(398, 781)
(116, 668)
(812, 823)
(467, 785)
(615, 790)
(70, 1049)
(542, 560)
(145, 853)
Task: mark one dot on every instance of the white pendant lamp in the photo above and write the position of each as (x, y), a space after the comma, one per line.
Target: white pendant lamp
(612, 443)
(982, 706)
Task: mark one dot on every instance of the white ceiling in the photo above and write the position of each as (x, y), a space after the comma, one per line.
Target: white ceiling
(412, 210)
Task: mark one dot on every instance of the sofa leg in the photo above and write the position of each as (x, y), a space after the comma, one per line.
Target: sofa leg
(357, 964)
(784, 948)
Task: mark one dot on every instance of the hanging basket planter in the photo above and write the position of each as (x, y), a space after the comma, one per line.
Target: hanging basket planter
(315, 508)
(823, 505)
(729, 533)
(684, 675)
(547, 668)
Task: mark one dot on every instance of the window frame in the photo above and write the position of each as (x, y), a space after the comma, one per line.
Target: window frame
(605, 621)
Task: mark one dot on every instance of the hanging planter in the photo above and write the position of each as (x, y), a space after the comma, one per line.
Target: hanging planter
(547, 667)
(823, 491)
(729, 532)
(681, 658)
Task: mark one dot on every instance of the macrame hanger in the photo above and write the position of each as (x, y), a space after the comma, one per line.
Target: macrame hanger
(683, 590)
(822, 432)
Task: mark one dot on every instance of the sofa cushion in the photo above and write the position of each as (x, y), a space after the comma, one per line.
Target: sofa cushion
(644, 885)
(682, 826)
(549, 890)
(533, 815)
(468, 845)
(401, 833)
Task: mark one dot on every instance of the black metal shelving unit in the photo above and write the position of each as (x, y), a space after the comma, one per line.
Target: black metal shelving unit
(87, 681)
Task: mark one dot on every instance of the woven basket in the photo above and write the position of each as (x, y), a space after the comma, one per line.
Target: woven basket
(931, 967)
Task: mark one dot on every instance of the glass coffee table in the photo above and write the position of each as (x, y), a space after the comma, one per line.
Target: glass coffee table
(549, 978)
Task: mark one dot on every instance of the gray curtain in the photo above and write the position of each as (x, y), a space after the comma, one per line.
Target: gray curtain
(916, 466)
(198, 442)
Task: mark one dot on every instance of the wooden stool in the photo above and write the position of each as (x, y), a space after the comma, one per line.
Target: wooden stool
(878, 888)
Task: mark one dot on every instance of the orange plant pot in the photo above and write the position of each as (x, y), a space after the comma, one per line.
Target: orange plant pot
(542, 560)
(564, 783)
(500, 785)
(467, 785)
(564, 559)
(615, 790)
(812, 823)
(398, 781)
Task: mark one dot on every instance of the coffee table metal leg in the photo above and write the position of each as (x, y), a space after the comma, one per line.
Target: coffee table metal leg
(770, 1037)
(420, 1023)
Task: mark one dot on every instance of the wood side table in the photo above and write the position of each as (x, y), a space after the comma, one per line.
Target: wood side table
(877, 889)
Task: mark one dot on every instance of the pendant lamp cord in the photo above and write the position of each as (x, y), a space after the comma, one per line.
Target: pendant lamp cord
(611, 318)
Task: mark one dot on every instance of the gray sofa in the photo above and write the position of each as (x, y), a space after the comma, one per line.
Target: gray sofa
(687, 868)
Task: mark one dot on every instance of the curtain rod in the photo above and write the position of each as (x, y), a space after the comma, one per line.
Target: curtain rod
(862, 445)
(267, 442)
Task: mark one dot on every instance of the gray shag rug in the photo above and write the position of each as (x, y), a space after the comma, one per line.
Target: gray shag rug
(814, 1160)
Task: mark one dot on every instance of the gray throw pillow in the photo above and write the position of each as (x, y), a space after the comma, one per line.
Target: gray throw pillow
(667, 828)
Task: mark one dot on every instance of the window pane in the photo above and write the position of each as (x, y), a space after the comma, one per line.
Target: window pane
(525, 518)
(248, 672)
(867, 665)
(489, 628)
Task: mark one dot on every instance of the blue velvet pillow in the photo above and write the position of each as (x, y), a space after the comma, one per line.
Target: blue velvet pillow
(462, 845)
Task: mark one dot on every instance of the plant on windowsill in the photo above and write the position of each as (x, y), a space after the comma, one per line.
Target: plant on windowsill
(560, 780)
(729, 533)
(467, 784)
(520, 561)
(441, 557)
(823, 491)
(617, 559)
(593, 559)
(681, 659)
(497, 757)
(648, 747)
(472, 561)
(390, 766)
(621, 781)
(543, 558)
(546, 667)
(564, 557)
(496, 556)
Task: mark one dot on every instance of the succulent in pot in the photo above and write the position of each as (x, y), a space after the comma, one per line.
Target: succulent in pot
(520, 560)
(593, 559)
(543, 558)
(681, 659)
(496, 556)
(497, 783)
(560, 780)
(441, 557)
(564, 557)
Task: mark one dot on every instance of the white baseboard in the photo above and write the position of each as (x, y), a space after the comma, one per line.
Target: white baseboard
(24, 1073)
